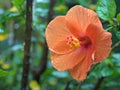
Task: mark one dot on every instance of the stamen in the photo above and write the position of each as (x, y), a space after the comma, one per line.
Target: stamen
(72, 42)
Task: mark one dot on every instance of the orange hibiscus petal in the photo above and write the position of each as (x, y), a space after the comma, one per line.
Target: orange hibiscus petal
(79, 72)
(74, 28)
(67, 61)
(82, 17)
(56, 34)
(101, 40)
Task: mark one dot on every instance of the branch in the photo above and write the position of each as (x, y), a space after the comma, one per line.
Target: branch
(99, 82)
(42, 65)
(43, 61)
(115, 45)
(78, 86)
(27, 44)
(67, 85)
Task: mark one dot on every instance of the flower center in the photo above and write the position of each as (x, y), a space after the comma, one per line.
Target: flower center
(85, 41)
(72, 42)
(75, 43)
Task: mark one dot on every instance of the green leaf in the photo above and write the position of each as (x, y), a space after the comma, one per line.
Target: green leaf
(84, 3)
(117, 33)
(3, 73)
(10, 15)
(107, 71)
(18, 2)
(106, 9)
(118, 18)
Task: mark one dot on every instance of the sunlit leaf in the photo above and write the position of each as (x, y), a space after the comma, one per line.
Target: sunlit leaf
(3, 37)
(34, 85)
(5, 66)
(14, 9)
(92, 6)
(61, 8)
(106, 9)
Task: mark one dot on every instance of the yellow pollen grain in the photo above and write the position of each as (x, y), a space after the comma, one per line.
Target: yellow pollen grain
(75, 43)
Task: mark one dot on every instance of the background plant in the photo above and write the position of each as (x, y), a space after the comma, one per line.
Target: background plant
(42, 75)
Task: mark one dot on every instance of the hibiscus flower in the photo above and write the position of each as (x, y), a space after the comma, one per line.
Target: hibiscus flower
(76, 41)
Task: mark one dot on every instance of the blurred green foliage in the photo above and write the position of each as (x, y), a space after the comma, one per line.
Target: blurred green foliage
(12, 27)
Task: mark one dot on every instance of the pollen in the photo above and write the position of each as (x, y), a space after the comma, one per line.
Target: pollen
(72, 42)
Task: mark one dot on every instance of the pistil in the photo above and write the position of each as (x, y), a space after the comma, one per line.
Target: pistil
(72, 42)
